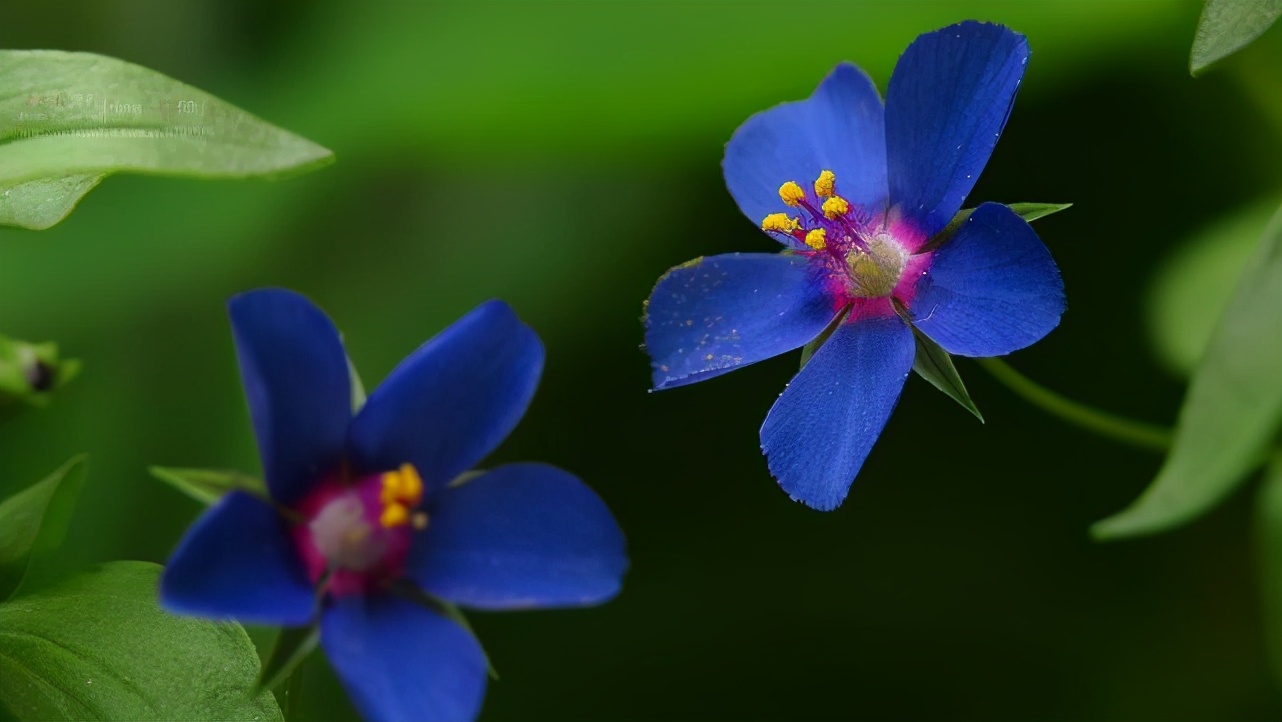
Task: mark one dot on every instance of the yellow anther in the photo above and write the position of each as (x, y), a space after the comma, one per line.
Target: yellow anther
(825, 183)
(394, 515)
(411, 485)
(780, 222)
(817, 239)
(791, 194)
(835, 207)
(419, 520)
(402, 489)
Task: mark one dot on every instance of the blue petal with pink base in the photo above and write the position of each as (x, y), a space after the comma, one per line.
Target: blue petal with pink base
(365, 503)
(858, 192)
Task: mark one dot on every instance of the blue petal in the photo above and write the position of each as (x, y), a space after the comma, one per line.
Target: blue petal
(294, 371)
(945, 108)
(839, 128)
(520, 536)
(990, 290)
(453, 400)
(821, 429)
(238, 562)
(715, 314)
(399, 661)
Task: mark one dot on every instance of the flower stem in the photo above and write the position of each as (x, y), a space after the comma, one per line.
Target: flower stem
(1118, 428)
(293, 690)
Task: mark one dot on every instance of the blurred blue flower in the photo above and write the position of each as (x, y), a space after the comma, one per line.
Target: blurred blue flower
(364, 504)
(861, 256)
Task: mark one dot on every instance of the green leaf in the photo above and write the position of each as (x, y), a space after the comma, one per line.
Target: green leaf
(1028, 211)
(1227, 26)
(1232, 410)
(69, 119)
(96, 647)
(1268, 540)
(29, 373)
(936, 366)
(208, 485)
(292, 647)
(1194, 283)
(34, 521)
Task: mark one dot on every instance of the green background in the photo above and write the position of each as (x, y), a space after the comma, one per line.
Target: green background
(562, 156)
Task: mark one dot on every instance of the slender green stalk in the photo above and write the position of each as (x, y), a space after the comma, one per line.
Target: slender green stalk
(1118, 428)
(290, 708)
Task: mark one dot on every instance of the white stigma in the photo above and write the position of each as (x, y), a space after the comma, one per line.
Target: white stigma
(344, 537)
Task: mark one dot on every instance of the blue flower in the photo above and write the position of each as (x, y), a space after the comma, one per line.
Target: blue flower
(858, 194)
(364, 504)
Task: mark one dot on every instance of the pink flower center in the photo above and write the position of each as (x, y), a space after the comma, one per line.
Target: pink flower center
(863, 256)
(354, 537)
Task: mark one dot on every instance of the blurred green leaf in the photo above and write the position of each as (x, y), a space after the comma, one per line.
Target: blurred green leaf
(69, 119)
(1193, 285)
(1268, 540)
(619, 78)
(96, 647)
(34, 521)
(293, 644)
(1028, 211)
(1232, 410)
(29, 372)
(1227, 26)
(208, 485)
(936, 366)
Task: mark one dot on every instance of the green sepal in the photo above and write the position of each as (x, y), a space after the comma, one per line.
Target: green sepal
(30, 373)
(1028, 211)
(292, 647)
(33, 523)
(408, 590)
(358, 388)
(935, 365)
(209, 485)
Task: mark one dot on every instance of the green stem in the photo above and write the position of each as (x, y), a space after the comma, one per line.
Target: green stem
(1118, 428)
(293, 688)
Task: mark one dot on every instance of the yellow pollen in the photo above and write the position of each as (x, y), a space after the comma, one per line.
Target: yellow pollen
(835, 207)
(791, 194)
(780, 222)
(402, 489)
(824, 184)
(817, 239)
(394, 515)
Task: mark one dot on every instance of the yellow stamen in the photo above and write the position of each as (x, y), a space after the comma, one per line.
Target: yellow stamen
(817, 239)
(780, 222)
(835, 207)
(402, 489)
(419, 520)
(411, 485)
(394, 515)
(825, 183)
(791, 194)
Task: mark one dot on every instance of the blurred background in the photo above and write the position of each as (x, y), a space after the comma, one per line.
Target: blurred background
(562, 156)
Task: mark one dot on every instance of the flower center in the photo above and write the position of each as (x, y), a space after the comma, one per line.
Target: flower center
(860, 254)
(358, 535)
